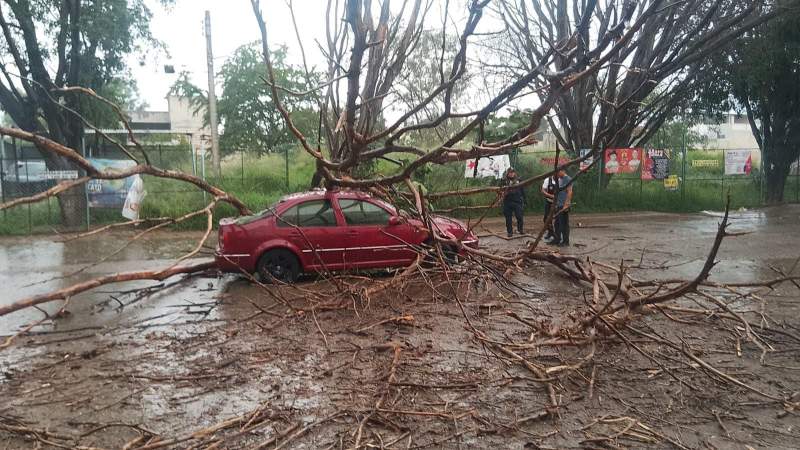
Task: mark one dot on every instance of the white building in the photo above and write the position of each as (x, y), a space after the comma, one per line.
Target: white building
(731, 133)
(180, 118)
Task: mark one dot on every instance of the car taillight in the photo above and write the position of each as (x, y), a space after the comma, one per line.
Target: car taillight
(221, 236)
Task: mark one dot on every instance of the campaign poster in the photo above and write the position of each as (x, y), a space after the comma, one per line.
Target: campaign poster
(738, 162)
(487, 167)
(656, 164)
(586, 163)
(705, 163)
(109, 193)
(622, 160)
(671, 183)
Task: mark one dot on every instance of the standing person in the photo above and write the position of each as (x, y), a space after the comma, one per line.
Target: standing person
(513, 201)
(563, 202)
(548, 191)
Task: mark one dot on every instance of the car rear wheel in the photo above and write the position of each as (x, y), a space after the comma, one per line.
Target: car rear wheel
(281, 265)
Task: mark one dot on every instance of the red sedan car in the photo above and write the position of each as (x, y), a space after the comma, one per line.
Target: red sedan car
(326, 231)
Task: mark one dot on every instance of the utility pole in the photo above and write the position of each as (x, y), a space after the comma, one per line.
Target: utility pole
(212, 101)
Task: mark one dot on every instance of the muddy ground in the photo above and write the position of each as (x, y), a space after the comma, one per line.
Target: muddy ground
(322, 371)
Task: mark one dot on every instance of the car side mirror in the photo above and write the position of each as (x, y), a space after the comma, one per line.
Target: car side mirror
(395, 220)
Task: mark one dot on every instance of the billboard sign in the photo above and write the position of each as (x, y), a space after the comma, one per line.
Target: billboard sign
(738, 162)
(109, 193)
(656, 164)
(622, 160)
(487, 167)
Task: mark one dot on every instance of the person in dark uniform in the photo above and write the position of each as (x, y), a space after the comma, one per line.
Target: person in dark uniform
(513, 201)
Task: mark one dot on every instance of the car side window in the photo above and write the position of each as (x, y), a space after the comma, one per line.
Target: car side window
(358, 212)
(314, 213)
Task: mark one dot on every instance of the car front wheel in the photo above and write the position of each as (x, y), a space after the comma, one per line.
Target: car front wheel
(281, 265)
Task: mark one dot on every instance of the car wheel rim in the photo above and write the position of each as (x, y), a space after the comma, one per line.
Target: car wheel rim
(278, 268)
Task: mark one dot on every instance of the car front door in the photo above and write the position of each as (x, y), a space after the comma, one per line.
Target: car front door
(312, 227)
(371, 240)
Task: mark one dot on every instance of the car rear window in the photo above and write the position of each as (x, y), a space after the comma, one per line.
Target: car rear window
(359, 212)
(313, 213)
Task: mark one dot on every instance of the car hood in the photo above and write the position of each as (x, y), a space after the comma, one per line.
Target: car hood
(453, 226)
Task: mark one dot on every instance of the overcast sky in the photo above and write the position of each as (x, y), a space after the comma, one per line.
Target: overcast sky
(232, 25)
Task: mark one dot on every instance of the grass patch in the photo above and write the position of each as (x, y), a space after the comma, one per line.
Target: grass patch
(259, 181)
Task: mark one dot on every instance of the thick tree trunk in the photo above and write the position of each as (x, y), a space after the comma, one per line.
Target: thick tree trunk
(72, 203)
(777, 164)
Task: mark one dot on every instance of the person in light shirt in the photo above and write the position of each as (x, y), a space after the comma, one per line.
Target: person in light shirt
(612, 165)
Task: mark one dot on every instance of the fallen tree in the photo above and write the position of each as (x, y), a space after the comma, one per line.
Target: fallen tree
(357, 134)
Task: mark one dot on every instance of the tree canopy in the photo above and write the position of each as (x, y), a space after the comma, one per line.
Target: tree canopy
(48, 45)
(246, 110)
(760, 77)
(627, 100)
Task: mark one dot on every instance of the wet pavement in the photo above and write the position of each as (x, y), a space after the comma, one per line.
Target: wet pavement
(206, 348)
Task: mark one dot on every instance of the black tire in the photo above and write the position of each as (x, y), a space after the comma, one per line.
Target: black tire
(279, 264)
(450, 254)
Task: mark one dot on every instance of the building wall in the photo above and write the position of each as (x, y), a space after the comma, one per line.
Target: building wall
(184, 120)
(149, 120)
(733, 133)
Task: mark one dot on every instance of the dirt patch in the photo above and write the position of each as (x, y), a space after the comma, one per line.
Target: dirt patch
(313, 373)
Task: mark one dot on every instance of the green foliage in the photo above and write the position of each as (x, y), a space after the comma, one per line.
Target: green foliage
(422, 73)
(198, 98)
(677, 134)
(260, 180)
(760, 76)
(498, 127)
(72, 44)
(250, 119)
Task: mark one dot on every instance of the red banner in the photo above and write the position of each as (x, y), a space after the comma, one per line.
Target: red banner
(623, 160)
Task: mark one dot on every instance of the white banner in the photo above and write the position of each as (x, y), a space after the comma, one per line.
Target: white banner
(588, 161)
(133, 202)
(738, 162)
(489, 166)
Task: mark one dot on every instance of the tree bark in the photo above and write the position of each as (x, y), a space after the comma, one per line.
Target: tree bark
(777, 163)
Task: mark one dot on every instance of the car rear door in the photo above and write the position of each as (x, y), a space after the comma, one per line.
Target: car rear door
(371, 240)
(312, 226)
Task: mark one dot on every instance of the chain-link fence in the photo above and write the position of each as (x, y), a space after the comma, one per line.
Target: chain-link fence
(695, 180)
(257, 179)
(698, 183)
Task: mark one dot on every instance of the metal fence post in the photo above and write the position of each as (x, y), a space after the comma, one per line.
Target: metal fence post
(684, 180)
(797, 180)
(86, 189)
(203, 168)
(194, 158)
(16, 159)
(641, 192)
(27, 181)
(2, 172)
(761, 185)
(602, 161)
(286, 157)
